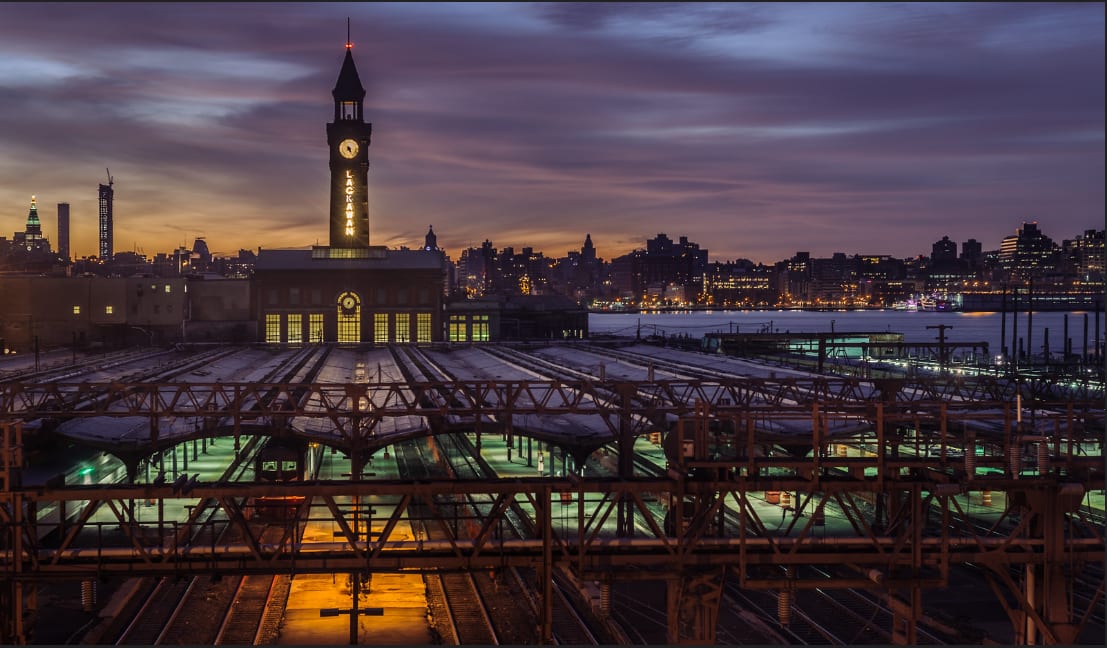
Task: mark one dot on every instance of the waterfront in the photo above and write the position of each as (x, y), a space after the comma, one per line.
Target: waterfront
(963, 327)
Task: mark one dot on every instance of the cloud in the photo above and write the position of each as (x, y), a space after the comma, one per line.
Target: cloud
(745, 127)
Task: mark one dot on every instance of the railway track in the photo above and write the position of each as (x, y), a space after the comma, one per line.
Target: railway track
(182, 611)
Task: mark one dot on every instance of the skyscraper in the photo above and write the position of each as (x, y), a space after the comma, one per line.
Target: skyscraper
(32, 235)
(63, 230)
(106, 227)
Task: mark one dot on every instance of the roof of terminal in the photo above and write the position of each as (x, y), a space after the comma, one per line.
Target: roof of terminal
(387, 260)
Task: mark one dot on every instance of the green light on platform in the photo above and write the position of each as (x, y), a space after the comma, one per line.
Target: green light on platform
(85, 471)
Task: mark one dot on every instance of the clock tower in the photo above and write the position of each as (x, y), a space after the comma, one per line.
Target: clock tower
(348, 140)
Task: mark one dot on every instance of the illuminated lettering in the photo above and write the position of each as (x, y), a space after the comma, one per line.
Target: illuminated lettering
(349, 203)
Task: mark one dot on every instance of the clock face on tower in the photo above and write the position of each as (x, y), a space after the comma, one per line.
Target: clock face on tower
(348, 303)
(348, 148)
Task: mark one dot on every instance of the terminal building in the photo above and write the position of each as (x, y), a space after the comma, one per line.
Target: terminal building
(349, 291)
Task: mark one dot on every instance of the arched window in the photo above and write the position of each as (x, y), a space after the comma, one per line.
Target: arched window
(349, 318)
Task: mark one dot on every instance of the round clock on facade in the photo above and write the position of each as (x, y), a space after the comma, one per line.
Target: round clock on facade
(348, 302)
(348, 148)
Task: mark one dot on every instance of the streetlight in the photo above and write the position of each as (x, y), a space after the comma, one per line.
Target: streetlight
(354, 612)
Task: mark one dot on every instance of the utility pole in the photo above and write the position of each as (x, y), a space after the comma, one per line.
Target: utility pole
(942, 359)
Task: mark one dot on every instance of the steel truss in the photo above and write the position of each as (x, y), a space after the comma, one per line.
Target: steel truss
(728, 442)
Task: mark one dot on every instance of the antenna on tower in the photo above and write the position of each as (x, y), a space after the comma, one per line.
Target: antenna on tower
(348, 43)
(109, 176)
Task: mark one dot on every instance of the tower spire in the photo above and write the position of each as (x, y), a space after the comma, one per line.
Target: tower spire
(349, 45)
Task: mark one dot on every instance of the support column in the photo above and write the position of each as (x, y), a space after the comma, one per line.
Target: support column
(625, 519)
(1043, 611)
(692, 606)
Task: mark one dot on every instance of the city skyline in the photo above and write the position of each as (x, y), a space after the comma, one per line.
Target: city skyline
(755, 130)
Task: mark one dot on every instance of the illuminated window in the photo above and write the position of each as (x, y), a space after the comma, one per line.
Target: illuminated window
(457, 329)
(108, 310)
(272, 328)
(168, 289)
(423, 327)
(315, 327)
(403, 327)
(380, 327)
(295, 328)
(76, 310)
(480, 328)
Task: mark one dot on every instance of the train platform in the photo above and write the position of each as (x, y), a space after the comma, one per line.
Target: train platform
(400, 598)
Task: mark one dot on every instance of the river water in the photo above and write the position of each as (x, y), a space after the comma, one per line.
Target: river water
(962, 327)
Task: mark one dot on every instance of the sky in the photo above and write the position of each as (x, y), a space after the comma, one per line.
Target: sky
(756, 130)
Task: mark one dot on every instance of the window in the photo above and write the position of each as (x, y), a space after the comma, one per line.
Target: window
(272, 328)
(457, 329)
(403, 327)
(273, 297)
(380, 327)
(382, 296)
(315, 326)
(480, 328)
(401, 296)
(295, 329)
(423, 327)
(76, 310)
(316, 297)
(349, 320)
(168, 289)
(294, 296)
(424, 296)
(108, 310)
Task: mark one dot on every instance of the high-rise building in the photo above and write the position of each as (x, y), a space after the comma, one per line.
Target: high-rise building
(1028, 253)
(107, 195)
(943, 250)
(972, 253)
(32, 234)
(348, 139)
(63, 230)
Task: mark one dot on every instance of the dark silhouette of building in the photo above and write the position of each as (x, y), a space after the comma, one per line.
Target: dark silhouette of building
(943, 251)
(430, 241)
(972, 253)
(348, 139)
(63, 230)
